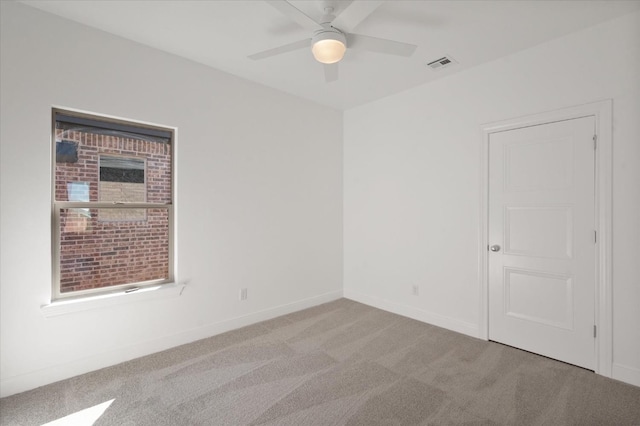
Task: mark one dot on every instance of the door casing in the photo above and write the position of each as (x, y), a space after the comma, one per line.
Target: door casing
(602, 111)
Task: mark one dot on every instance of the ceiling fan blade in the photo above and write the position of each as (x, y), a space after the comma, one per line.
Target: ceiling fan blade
(380, 45)
(282, 49)
(295, 14)
(331, 72)
(355, 13)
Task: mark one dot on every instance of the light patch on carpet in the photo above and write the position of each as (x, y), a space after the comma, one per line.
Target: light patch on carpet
(87, 417)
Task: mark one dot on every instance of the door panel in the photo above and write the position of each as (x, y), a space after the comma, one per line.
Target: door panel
(522, 161)
(541, 213)
(543, 231)
(539, 297)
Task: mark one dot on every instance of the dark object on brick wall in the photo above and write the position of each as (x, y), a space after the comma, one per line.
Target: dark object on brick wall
(121, 169)
(66, 152)
(108, 174)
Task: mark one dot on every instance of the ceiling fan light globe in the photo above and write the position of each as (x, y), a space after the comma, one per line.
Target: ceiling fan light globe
(328, 51)
(328, 47)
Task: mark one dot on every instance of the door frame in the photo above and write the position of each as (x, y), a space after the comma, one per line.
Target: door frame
(603, 315)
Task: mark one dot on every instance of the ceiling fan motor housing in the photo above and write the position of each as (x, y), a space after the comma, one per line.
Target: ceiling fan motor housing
(328, 45)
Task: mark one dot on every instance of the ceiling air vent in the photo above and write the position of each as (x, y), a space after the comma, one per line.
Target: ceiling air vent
(445, 61)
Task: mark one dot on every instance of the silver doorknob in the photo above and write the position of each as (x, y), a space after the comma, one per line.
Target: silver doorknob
(494, 247)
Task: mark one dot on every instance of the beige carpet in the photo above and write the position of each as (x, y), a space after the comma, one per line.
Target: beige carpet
(342, 363)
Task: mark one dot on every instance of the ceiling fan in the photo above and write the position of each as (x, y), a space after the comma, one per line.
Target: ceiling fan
(332, 35)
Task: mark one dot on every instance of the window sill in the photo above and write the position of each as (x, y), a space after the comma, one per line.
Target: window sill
(63, 307)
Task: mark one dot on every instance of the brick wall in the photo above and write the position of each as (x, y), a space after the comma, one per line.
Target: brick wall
(110, 247)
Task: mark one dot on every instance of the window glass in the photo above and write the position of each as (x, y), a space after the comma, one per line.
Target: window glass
(96, 254)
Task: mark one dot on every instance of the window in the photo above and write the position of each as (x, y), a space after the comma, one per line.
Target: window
(112, 204)
(122, 180)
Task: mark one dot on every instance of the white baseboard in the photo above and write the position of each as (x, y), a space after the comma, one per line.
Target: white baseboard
(626, 374)
(449, 323)
(32, 380)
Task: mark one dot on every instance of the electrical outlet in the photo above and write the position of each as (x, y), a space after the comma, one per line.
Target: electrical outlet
(243, 294)
(415, 290)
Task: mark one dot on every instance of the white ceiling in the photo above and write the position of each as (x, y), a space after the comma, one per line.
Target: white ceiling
(222, 33)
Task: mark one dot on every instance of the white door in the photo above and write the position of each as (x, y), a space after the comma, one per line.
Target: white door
(542, 239)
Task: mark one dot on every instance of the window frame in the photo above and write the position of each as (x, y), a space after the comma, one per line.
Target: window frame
(119, 124)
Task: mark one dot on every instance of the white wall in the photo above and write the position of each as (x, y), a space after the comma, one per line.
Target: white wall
(259, 196)
(411, 180)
